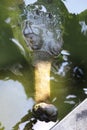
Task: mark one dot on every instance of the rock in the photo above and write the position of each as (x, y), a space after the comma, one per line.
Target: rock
(42, 31)
(45, 112)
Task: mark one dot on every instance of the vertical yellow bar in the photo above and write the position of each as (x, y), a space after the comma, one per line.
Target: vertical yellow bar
(42, 80)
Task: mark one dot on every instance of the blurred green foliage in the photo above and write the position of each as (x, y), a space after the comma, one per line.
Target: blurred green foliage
(10, 33)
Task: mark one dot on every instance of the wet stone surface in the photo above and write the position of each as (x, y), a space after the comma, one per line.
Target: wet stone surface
(82, 115)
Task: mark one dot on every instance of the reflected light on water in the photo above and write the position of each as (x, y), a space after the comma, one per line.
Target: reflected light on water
(85, 90)
(27, 2)
(70, 99)
(75, 6)
(39, 125)
(8, 20)
(43, 125)
(70, 102)
(15, 41)
(70, 96)
(83, 27)
(63, 69)
(14, 103)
